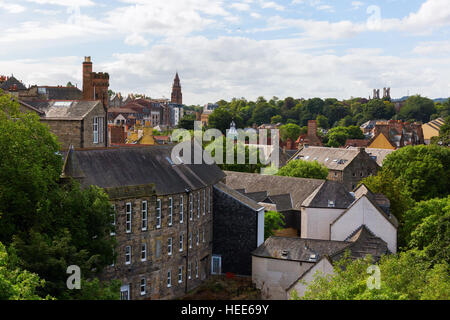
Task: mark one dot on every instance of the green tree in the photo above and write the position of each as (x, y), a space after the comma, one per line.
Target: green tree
(289, 131)
(322, 122)
(187, 122)
(417, 108)
(273, 221)
(404, 276)
(428, 224)
(16, 283)
(276, 119)
(304, 169)
(424, 170)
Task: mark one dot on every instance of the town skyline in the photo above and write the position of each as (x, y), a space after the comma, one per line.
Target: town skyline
(227, 49)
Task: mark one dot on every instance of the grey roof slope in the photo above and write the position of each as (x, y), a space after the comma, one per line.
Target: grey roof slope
(282, 201)
(298, 188)
(11, 82)
(329, 191)
(252, 204)
(332, 158)
(259, 196)
(64, 93)
(64, 110)
(130, 166)
(298, 249)
(379, 154)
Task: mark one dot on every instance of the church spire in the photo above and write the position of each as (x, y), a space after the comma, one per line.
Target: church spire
(177, 96)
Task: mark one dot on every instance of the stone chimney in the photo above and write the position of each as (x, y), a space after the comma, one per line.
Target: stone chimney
(312, 128)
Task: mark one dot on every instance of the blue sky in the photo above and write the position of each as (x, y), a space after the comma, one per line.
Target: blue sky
(237, 48)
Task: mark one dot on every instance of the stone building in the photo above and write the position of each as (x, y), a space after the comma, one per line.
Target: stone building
(348, 166)
(78, 123)
(163, 216)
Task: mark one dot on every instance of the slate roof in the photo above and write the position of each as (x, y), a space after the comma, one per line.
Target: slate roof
(63, 110)
(298, 188)
(139, 165)
(63, 93)
(282, 201)
(379, 154)
(329, 191)
(259, 196)
(298, 249)
(238, 196)
(361, 243)
(332, 158)
(11, 82)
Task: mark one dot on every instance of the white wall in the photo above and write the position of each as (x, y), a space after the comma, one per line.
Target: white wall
(315, 222)
(274, 276)
(323, 267)
(260, 235)
(361, 213)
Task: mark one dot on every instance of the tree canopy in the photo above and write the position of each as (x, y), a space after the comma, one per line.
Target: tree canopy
(304, 169)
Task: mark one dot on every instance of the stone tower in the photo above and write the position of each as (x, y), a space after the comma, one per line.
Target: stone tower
(95, 84)
(177, 97)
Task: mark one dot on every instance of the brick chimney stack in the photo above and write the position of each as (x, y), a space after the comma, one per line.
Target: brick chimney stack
(88, 90)
(312, 128)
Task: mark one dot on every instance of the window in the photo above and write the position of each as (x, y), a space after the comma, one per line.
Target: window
(95, 129)
(189, 269)
(191, 206)
(144, 252)
(198, 237)
(190, 239)
(113, 263)
(169, 246)
(143, 286)
(180, 274)
(169, 279)
(204, 201)
(170, 211)
(128, 217)
(198, 205)
(181, 242)
(216, 265)
(158, 248)
(113, 223)
(144, 216)
(181, 208)
(125, 292)
(127, 255)
(158, 213)
(203, 231)
(98, 129)
(196, 268)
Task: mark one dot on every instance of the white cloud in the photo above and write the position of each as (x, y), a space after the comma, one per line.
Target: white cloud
(433, 48)
(357, 4)
(64, 3)
(271, 5)
(240, 6)
(255, 15)
(11, 7)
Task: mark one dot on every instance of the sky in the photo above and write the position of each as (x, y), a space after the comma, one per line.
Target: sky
(235, 48)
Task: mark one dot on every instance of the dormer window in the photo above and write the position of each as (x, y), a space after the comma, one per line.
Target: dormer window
(330, 203)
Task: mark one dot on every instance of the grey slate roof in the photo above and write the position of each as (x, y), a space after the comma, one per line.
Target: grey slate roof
(282, 201)
(361, 243)
(11, 82)
(64, 110)
(329, 191)
(379, 154)
(298, 249)
(238, 196)
(332, 158)
(63, 93)
(257, 196)
(131, 166)
(298, 188)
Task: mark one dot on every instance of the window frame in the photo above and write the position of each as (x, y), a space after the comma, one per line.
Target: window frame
(181, 242)
(181, 208)
(128, 255)
(144, 214)
(169, 246)
(169, 278)
(180, 274)
(170, 211)
(158, 213)
(144, 285)
(128, 217)
(144, 251)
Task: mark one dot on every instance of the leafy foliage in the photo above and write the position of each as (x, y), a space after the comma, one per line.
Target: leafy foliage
(289, 131)
(405, 276)
(272, 221)
(304, 169)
